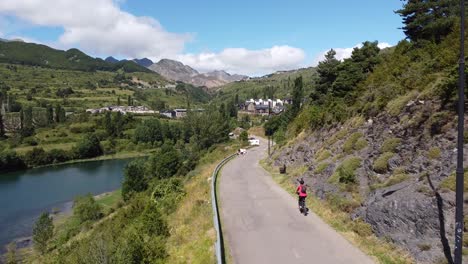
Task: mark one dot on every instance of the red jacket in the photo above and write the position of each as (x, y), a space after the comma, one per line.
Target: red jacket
(299, 191)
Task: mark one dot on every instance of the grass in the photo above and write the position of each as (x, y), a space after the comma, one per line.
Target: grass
(258, 131)
(390, 144)
(356, 231)
(394, 179)
(321, 167)
(450, 182)
(395, 106)
(322, 155)
(434, 153)
(381, 163)
(350, 144)
(337, 136)
(192, 233)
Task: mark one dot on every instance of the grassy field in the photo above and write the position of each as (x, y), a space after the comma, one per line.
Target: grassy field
(357, 232)
(193, 235)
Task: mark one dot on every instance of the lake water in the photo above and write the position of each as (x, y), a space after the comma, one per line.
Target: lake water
(24, 195)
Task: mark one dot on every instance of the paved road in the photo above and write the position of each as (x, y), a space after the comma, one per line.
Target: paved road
(261, 222)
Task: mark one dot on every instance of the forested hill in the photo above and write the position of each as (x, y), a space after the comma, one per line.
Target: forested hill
(275, 85)
(17, 52)
(376, 136)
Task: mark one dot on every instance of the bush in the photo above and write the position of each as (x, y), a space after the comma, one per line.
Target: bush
(381, 163)
(345, 173)
(434, 153)
(390, 144)
(10, 161)
(88, 147)
(339, 203)
(31, 141)
(43, 231)
(350, 143)
(134, 179)
(37, 157)
(450, 182)
(59, 155)
(395, 106)
(85, 208)
(360, 144)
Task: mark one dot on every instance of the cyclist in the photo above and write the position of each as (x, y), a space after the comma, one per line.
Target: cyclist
(302, 192)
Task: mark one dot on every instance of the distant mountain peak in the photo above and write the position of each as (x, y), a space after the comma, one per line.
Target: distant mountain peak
(177, 71)
(111, 59)
(145, 62)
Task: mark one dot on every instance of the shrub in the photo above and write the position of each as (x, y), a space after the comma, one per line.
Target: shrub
(43, 231)
(434, 153)
(37, 157)
(321, 167)
(134, 179)
(31, 141)
(59, 155)
(390, 144)
(360, 144)
(350, 143)
(85, 208)
(10, 161)
(345, 173)
(424, 247)
(88, 147)
(322, 155)
(381, 163)
(339, 203)
(450, 182)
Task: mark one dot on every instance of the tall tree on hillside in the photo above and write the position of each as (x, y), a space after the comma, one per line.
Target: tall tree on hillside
(2, 127)
(298, 93)
(428, 19)
(327, 71)
(28, 127)
(58, 109)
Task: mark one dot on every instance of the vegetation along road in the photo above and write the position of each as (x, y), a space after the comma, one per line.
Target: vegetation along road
(261, 222)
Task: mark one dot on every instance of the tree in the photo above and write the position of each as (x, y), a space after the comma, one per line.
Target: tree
(118, 100)
(129, 101)
(43, 231)
(2, 127)
(88, 147)
(28, 127)
(134, 179)
(164, 163)
(297, 95)
(244, 136)
(59, 114)
(327, 71)
(50, 114)
(86, 208)
(428, 19)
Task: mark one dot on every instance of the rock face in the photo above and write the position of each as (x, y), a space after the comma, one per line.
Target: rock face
(177, 71)
(409, 202)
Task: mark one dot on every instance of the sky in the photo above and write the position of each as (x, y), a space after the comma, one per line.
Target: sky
(243, 36)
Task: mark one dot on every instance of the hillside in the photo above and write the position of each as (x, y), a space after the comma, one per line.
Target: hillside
(377, 142)
(275, 85)
(15, 52)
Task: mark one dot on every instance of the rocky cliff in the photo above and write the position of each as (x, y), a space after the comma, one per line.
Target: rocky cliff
(396, 172)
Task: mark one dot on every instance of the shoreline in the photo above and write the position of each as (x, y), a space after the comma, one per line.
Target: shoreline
(58, 217)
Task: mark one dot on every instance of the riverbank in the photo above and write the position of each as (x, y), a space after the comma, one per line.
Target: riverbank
(65, 223)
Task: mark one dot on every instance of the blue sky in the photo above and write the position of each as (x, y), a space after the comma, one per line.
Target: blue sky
(249, 37)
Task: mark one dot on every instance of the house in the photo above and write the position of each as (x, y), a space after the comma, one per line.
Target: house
(179, 113)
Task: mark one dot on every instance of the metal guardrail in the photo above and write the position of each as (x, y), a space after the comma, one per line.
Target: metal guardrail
(220, 256)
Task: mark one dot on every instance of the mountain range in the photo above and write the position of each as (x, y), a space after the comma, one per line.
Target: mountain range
(177, 71)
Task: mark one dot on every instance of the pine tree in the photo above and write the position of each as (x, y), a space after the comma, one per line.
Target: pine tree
(327, 71)
(297, 95)
(428, 19)
(118, 100)
(42, 232)
(50, 114)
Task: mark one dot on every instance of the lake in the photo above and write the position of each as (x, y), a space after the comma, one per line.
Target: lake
(24, 195)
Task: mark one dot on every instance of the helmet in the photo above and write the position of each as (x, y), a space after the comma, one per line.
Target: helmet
(301, 181)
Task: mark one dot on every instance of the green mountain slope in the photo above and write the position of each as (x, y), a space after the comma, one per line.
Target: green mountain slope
(16, 52)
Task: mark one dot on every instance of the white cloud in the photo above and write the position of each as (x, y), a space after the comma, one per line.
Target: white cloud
(99, 27)
(244, 61)
(344, 53)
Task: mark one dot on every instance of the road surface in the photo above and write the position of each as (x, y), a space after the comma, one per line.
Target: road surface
(261, 222)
